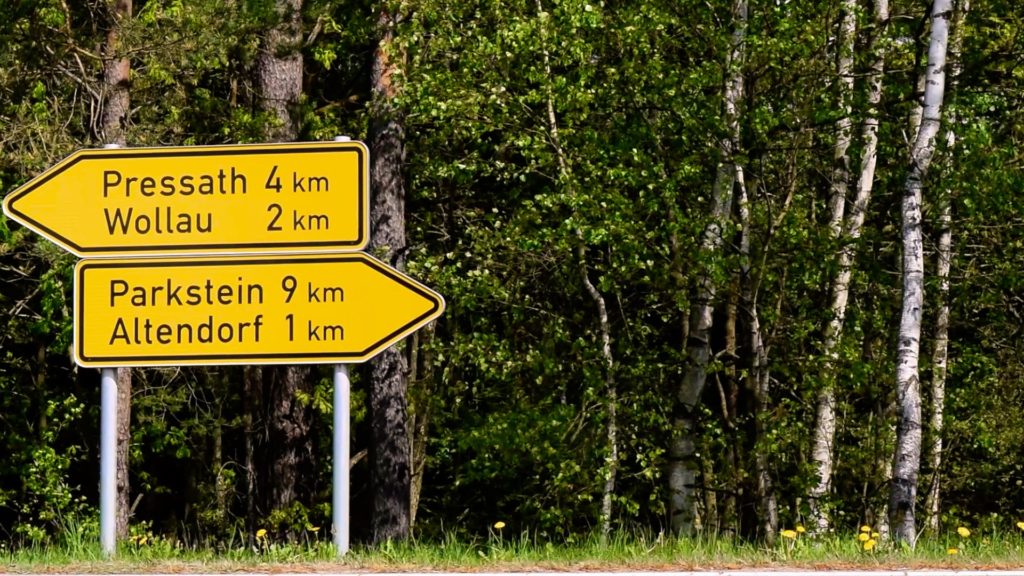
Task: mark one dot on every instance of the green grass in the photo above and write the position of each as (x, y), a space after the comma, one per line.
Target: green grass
(501, 552)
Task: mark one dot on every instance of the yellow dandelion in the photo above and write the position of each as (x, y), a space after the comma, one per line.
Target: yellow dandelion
(875, 535)
(314, 529)
(143, 540)
(1020, 525)
(261, 533)
(791, 534)
(499, 525)
(800, 529)
(870, 544)
(963, 532)
(865, 528)
(953, 551)
(863, 537)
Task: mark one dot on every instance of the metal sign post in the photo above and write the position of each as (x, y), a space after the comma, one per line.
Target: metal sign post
(340, 488)
(268, 270)
(108, 460)
(340, 508)
(108, 453)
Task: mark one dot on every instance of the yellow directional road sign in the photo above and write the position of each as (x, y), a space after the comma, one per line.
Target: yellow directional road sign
(201, 199)
(323, 308)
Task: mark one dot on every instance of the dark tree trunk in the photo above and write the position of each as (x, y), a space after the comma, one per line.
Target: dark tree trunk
(287, 453)
(390, 472)
(124, 439)
(252, 384)
(288, 435)
(113, 120)
(116, 77)
(279, 71)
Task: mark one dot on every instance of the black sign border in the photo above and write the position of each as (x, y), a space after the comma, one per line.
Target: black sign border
(222, 248)
(227, 359)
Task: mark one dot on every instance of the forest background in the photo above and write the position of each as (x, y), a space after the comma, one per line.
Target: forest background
(676, 239)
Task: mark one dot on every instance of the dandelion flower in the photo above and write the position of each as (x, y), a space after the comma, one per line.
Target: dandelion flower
(791, 534)
(1020, 525)
(261, 533)
(800, 529)
(863, 537)
(499, 525)
(875, 535)
(963, 532)
(953, 551)
(870, 544)
(865, 528)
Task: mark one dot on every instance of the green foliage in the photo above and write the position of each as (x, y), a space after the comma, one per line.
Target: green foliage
(501, 213)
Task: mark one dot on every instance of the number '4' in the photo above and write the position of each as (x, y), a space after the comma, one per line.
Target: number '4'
(273, 181)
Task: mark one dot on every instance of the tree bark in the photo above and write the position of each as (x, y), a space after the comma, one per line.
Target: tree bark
(421, 379)
(825, 421)
(846, 229)
(279, 71)
(611, 401)
(116, 77)
(682, 467)
(390, 473)
(757, 380)
(252, 386)
(943, 257)
(113, 121)
(289, 441)
(288, 451)
(907, 458)
(124, 441)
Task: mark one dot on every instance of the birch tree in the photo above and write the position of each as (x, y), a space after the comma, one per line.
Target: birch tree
(943, 257)
(611, 404)
(846, 228)
(682, 467)
(907, 458)
(825, 425)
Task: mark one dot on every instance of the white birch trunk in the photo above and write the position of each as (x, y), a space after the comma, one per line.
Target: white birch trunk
(611, 404)
(840, 156)
(682, 472)
(939, 361)
(943, 258)
(825, 423)
(907, 459)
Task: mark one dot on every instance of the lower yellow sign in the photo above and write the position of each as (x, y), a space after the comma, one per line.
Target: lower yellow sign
(247, 310)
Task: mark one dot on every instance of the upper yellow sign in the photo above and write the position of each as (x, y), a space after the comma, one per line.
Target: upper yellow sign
(201, 199)
(311, 308)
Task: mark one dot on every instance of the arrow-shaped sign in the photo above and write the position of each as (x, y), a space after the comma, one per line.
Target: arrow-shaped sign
(247, 310)
(201, 199)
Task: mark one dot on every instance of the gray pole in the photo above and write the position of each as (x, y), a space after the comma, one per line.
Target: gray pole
(341, 458)
(108, 455)
(108, 460)
(340, 490)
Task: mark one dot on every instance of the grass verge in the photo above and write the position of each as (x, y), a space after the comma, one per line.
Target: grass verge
(502, 553)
